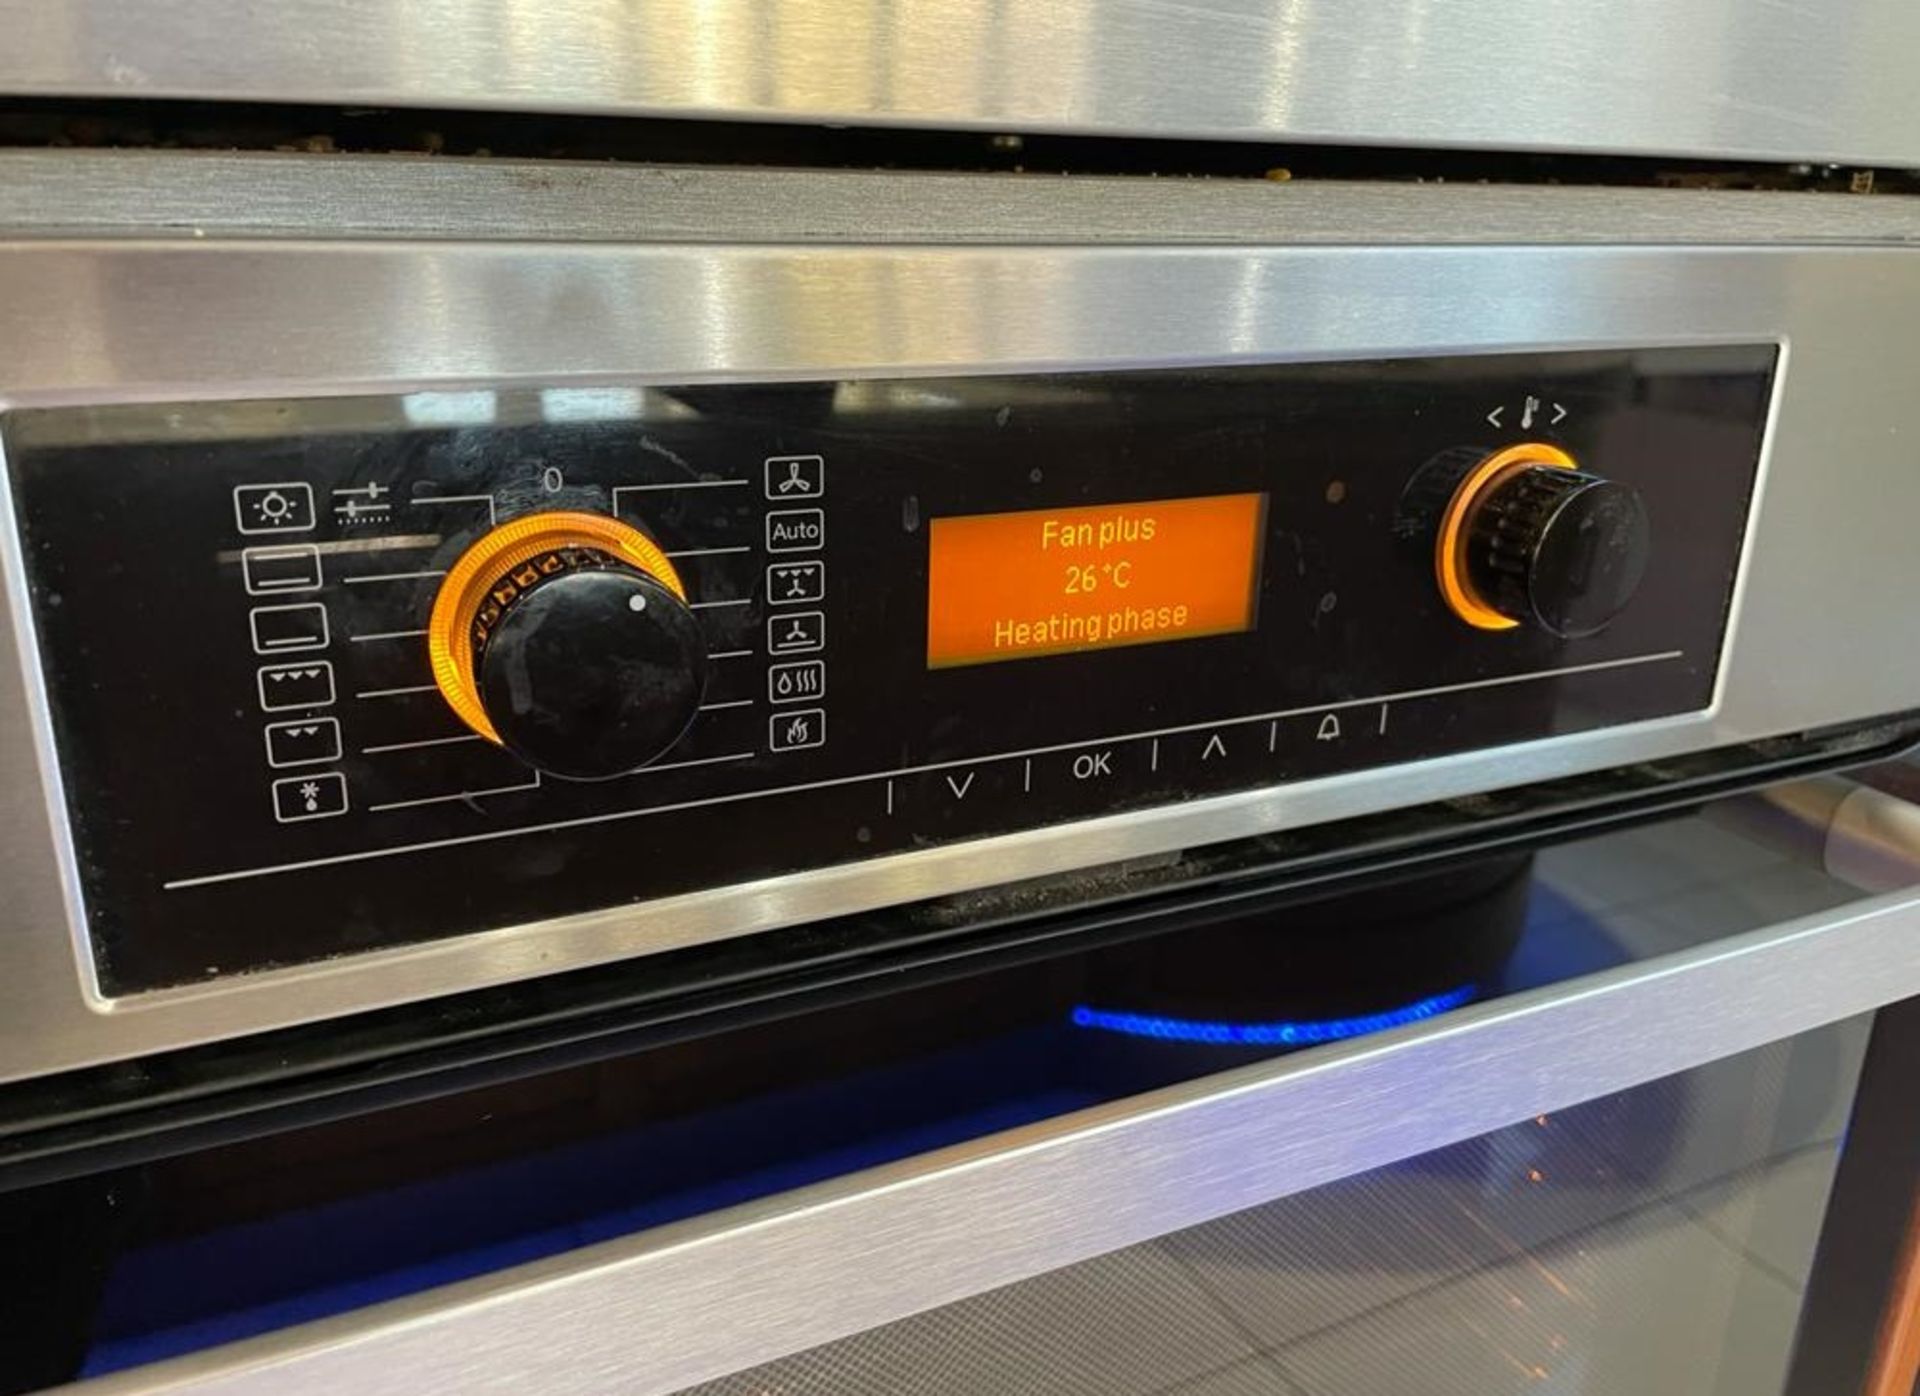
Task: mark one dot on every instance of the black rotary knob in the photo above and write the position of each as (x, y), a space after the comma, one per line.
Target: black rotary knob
(1557, 548)
(567, 639)
(593, 670)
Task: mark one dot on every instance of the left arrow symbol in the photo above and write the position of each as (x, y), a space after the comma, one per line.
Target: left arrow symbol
(1494, 416)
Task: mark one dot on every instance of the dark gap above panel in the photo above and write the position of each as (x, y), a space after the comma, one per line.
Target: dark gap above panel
(213, 126)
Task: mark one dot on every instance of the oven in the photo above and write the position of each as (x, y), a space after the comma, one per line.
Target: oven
(1164, 739)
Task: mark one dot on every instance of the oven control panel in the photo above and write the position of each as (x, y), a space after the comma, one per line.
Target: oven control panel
(330, 675)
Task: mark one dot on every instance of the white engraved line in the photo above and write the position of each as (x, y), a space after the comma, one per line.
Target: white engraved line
(590, 819)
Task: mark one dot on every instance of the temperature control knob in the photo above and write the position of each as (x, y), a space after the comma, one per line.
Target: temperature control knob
(566, 638)
(1529, 538)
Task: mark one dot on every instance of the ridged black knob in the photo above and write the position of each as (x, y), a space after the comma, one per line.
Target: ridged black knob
(1557, 548)
(588, 667)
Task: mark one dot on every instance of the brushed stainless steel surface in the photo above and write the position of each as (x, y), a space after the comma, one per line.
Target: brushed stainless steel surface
(185, 194)
(662, 1310)
(1799, 81)
(1651, 1242)
(131, 320)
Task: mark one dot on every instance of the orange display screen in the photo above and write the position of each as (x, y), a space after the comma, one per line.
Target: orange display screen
(1054, 581)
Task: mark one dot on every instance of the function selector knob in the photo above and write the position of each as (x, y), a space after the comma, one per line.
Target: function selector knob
(566, 638)
(1529, 538)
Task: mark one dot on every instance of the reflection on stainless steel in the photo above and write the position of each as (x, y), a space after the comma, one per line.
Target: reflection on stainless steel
(1281, 1032)
(1862, 835)
(95, 322)
(1710, 77)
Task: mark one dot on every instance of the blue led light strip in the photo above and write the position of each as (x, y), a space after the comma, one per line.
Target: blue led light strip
(1282, 1034)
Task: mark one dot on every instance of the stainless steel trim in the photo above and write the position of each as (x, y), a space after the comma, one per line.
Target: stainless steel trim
(132, 320)
(1704, 77)
(205, 194)
(661, 1310)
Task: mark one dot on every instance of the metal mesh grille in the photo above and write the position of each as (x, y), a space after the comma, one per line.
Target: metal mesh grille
(1647, 1243)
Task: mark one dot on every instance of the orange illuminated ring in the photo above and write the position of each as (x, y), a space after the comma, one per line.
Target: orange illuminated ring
(494, 555)
(1450, 548)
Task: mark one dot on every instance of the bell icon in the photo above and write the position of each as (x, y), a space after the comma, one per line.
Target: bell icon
(1329, 729)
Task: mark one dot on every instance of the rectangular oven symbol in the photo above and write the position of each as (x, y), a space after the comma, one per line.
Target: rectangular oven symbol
(285, 686)
(796, 731)
(282, 629)
(789, 583)
(318, 796)
(272, 571)
(300, 742)
(794, 683)
(796, 632)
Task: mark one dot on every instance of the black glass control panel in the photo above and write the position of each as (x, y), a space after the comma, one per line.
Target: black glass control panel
(333, 675)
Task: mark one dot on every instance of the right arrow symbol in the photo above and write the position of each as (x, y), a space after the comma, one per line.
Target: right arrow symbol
(1494, 416)
(1558, 413)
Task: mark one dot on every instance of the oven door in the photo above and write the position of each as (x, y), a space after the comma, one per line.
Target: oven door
(1623, 1116)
